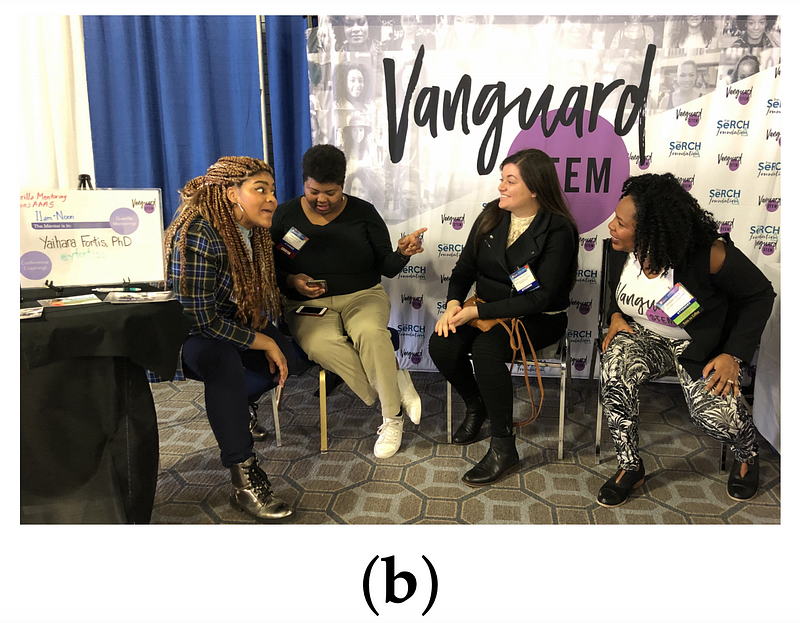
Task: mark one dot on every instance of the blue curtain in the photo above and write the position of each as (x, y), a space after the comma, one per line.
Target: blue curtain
(169, 95)
(288, 96)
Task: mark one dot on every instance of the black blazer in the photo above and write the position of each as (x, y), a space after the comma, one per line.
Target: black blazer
(736, 303)
(549, 247)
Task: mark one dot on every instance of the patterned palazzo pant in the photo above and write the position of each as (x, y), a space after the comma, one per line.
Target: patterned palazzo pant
(633, 359)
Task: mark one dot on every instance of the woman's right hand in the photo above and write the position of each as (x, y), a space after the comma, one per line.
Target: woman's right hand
(275, 357)
(617, 324)
(300, 283)
(444, 325)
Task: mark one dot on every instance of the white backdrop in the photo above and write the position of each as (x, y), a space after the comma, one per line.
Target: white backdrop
(723, 142)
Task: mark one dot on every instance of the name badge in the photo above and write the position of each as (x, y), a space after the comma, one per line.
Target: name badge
(523, 279)
(680, 305)
(292, 242)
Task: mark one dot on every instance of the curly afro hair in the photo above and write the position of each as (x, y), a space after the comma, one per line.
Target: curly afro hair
(325, 164)
(670, 224)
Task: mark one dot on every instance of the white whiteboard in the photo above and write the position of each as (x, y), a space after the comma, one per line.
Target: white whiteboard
(90, 237)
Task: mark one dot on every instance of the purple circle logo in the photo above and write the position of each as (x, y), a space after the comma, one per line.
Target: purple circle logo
(768, 249)
(686, 185)
(458, 223)
(416, 358)
(744, 98)
(149, 208)
(580, 364)
(589, 245)
(646, 164)
(772, 205)
(725, 228)
(416, 303)
(35, 265)
(654, 314)
(693, 119)
(585, 308)
(733, 164)
(124, 221)
(598, 160)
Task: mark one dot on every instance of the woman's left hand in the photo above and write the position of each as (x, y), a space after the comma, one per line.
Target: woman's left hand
(725, 379)
(464, 316)
(412, 244)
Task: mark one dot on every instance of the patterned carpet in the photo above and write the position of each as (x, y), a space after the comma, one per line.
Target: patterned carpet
(422, 483)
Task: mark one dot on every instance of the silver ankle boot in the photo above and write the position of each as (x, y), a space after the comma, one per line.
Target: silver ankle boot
(258, 432)
(253, 494)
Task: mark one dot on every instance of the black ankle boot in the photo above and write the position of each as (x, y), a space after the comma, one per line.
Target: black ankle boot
(258, 432)
(741, 488)
(501, 459)
(615, 493)
(470, 428)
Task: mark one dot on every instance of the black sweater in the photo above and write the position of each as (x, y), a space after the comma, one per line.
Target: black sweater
(351, 253)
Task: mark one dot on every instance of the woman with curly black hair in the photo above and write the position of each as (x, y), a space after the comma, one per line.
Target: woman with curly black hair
(693, 32)
(686, 302)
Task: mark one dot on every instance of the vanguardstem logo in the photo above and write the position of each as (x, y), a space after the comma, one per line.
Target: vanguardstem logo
(742, 96)
(584, 307)
(765, 238)
(687, 183)
(771, 203)
(456, 222)
(588, 244)
(725, 227)
(414, 301)
(415, 355)
(692, 116)
(733, 162)
(648, 160)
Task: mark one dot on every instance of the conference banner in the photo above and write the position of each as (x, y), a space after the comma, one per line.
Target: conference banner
(426, 108)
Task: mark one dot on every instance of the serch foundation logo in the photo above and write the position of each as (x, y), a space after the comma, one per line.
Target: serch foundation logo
(773, 106)
(727, 196)
(685, 148)
(412, 272)
(416, 331)
(449, 250)
(765, 237)
(586, 275)
(732, 127)
(769, 169)
(579, 336)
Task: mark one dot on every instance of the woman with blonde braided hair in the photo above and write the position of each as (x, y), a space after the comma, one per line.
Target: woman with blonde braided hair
(218, 252)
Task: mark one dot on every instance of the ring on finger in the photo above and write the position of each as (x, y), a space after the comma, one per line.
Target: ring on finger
(730, 381)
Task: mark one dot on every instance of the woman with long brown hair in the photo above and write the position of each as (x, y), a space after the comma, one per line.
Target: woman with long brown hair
(522, 256)
(219, 257)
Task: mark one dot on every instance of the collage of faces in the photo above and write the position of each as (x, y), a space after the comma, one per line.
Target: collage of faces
(696, 55)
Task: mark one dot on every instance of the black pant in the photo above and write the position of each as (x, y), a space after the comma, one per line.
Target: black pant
(491, 351)
(233, 380)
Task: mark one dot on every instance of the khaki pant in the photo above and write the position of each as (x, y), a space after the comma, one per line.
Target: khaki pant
(366, 361)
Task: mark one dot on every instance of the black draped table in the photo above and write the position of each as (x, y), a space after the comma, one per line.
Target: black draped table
(88, 431)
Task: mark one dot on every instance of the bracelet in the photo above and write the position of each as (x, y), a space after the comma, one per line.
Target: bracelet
(737, 360)
(400, 253)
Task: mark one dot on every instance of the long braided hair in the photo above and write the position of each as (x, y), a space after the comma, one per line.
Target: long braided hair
(670, 224)
(254, 285)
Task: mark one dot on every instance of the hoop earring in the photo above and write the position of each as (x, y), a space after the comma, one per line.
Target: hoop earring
(242, 209)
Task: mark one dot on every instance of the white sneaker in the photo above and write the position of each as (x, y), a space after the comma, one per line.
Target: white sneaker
(390, 434)
(409, 398)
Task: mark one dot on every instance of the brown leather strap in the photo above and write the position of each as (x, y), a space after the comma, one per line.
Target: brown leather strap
(518, 345)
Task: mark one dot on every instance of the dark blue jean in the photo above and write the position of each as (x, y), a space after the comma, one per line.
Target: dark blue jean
(233, 380)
